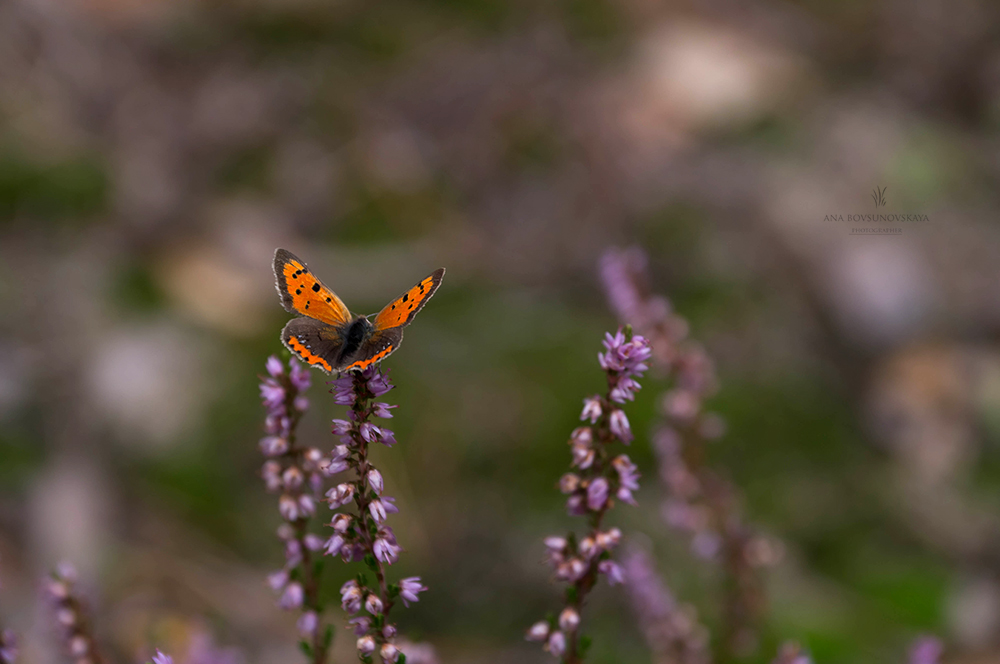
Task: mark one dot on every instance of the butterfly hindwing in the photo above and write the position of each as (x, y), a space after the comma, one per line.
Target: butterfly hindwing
(302, 293)
(401, 311)
(314, 342)
(375, 349)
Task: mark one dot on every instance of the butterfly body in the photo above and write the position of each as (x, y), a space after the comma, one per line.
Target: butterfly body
(329, 336)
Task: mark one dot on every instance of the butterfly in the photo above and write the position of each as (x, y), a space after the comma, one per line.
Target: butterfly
(330, 336)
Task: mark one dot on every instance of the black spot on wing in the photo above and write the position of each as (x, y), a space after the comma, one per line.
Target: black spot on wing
(316, 287)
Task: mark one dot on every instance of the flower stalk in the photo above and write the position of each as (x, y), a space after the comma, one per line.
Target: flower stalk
(599, 478)
(72, 616)
(700, 501)
(298, 473)
(361, 533)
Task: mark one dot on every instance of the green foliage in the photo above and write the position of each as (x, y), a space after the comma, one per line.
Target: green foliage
(70, 189)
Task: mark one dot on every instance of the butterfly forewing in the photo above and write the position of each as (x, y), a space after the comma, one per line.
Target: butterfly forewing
(302, 293)
(401, 311)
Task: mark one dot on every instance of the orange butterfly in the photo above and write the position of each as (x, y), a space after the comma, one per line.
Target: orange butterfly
(332, 338)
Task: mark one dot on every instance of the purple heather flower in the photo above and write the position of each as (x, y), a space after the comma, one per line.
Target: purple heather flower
(597, 494)
(389, 631)
(389, 653)
(8, 647)
(666, 625)
(925, 650)
(293, 596)
(375, 480)
(612, 570)
(341, 522)
(628, 475)
(385, 549)
(272, 394)
(342, 427)
(293, 553)
(377, 510)
(591, 409)
(274, 366)
(576, 505)
(706, 544)
(307, 623)
(569, 483)
(353, 552)
(78, 646)
(351, 597)
(389, 503)
(366, 646)
(361, 625)
(299, 375)
(273, 446)
(609, 539)
(625, 390)
(340, 495)
(409, 588)
(621, 270)
(681, 405)
(582, 436)
(378, 382)
(338, 461)
(159, 657)
(387, 437)
(539, 631)
(583, 457)
(292, 478)
(382, 410)
(271, 473)
(571, 570)
(556, 644)
(334, 545)
(373, 604)
(569, 619)
(555, 544)
(369, 432)
(619, 426)
(277, 580)
(343, 390)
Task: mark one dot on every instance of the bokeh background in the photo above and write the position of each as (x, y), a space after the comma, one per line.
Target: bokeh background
(154, 153)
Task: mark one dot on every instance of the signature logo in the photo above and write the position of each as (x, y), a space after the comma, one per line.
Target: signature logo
(878, 195)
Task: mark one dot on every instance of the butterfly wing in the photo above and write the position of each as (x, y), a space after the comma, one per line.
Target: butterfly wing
(401, 311)
(389, 323)
(314, 342)
(302, 293)
(377, 347)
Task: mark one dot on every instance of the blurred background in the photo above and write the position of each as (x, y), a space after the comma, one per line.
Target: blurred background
(153, 154)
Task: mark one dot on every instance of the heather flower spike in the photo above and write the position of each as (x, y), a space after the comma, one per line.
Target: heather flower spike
(8, 647)
(160, 658)
(360, 529)
(699, 502)
(672, 630)
(72, 616)
(600, 477)
(299, 475)
(925, 650)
